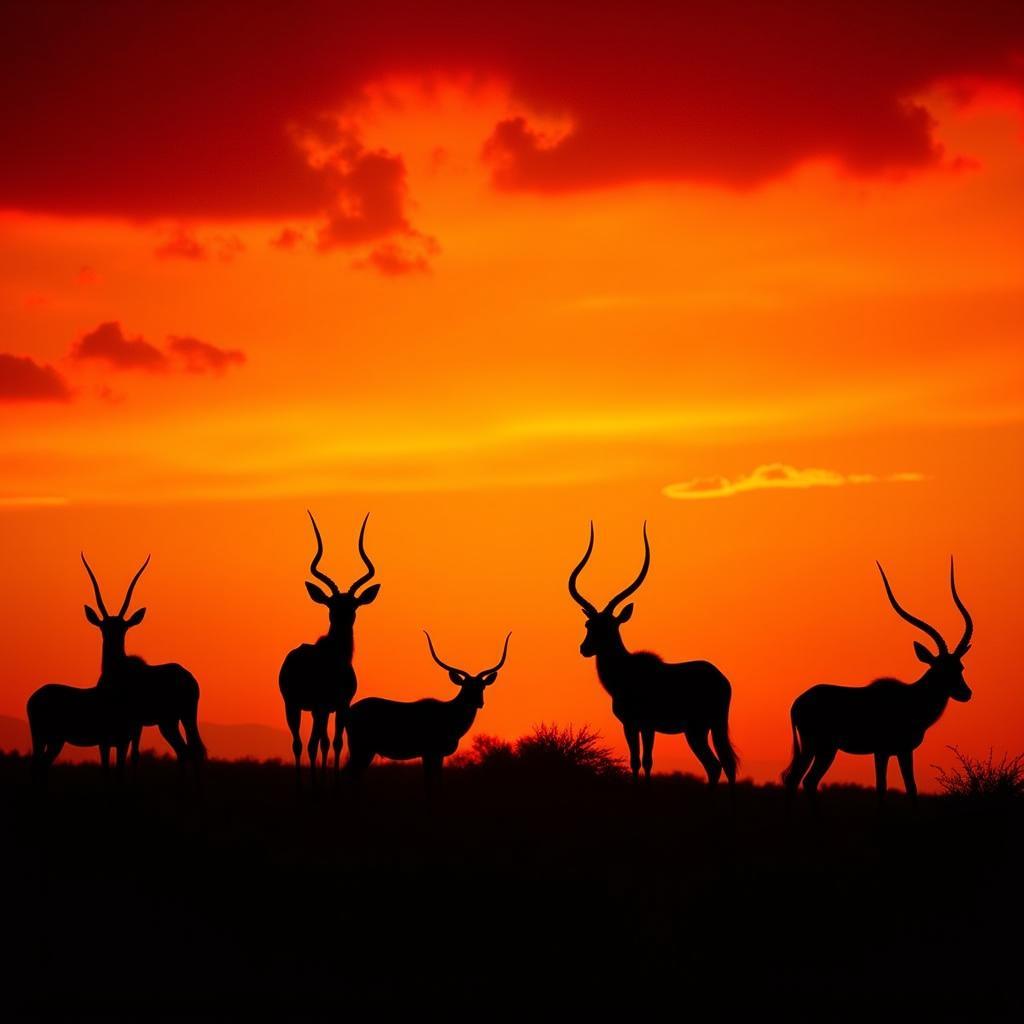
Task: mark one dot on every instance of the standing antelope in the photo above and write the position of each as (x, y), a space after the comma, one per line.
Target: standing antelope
(650, 695)
(885, 718)
(429, 729)
(319, 677)
(160, 695)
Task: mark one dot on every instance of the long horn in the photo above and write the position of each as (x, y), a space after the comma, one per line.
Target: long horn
(574, 576)
(433, 654)
(912, 619)
(131, 587)
(95, 587)
(622, 595)
(322, 576)
(965, 640)
(504, 653)
(366, 559)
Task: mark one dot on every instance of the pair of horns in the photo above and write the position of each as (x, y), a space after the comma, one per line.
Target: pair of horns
(590, 609)
(323, 577)
(929, 630)
(99, 596)
(452, 668)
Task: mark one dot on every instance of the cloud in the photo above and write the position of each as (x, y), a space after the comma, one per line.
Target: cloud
(184, 245)
(108, 344)
(23, 380)
(733, 93)
(202, 357)
(394, 260)
(778, 475)
(287, 239)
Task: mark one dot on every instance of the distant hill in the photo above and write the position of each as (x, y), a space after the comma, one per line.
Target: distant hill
(228, 742)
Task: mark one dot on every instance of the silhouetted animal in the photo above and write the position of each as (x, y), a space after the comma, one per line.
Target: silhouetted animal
(884, 718)
(319, 677)
(651, 696)
(160, 695)
(429, 729)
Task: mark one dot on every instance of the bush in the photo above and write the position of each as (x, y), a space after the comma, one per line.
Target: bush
(551, 748)
(983, 779)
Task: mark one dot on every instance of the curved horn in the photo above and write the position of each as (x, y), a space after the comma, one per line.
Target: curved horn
(965, 640)
(574, 576)
(314, 571)
(913, 620)
(433, 654)
(366, 577)
(622, 595)
(504, 653)
(131, 587)
(95, 587)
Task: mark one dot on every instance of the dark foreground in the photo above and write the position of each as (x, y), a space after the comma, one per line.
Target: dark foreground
(510, 894)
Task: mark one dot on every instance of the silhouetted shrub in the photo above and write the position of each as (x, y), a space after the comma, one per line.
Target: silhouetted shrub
(551, 748)
(983, 779)
(485, 752)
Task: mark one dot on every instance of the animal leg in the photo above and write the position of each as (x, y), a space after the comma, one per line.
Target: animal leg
(432, 765)
(698, 740)
(170, 732)
(905, 759)
(317, 734)
(633, 742)
(723, 748)
(135, 742)
(647, 738)
(105, 759)
(339, 737)
(881, 775)
(823, 758)
(293, 715)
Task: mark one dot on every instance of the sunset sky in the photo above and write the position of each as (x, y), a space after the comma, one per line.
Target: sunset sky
(753, 273)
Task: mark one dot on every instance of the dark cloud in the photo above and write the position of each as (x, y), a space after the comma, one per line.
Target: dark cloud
(287, 239)
(202, 357)
(108, 344)
(99, 118)
(24, 380)
(394, 260)
(184, 245)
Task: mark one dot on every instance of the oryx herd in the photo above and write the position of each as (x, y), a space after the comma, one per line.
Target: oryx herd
(887, 718)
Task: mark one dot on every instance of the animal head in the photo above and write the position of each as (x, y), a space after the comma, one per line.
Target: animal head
(472, 686)
(945, 666)
(603, 626)
(114, 627)
(341, 604)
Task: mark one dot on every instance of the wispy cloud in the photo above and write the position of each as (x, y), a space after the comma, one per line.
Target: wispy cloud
(779, 475)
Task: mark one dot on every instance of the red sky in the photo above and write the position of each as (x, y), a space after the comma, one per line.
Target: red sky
(488, 272)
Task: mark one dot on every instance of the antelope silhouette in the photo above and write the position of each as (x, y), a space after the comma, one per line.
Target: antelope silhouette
(651, 696)
(160, 695)
(886, 717)
(429, 729)
(319, 677)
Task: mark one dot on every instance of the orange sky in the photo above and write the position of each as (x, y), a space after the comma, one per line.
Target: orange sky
(484, 368)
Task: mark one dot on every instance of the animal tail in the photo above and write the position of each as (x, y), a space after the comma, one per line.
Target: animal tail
(791, 767)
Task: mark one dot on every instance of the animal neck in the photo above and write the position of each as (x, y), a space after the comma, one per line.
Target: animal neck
(612, 659)
(340, 640)
(463, 711)
(113, 655)
(932, 698)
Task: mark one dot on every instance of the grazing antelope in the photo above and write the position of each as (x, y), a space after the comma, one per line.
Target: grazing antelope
(319, 677)
(885, 718)
(651, 696)
(160, 695)
(429, 729)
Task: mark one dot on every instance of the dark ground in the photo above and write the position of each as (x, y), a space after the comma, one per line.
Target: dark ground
(509, 894)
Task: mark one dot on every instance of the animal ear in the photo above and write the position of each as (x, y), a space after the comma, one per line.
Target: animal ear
(489, 678)
(923, 654)
(317, 594)
(626, 614)
(92, 616)
(369, 594)
(456, 676)
(135, 619)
